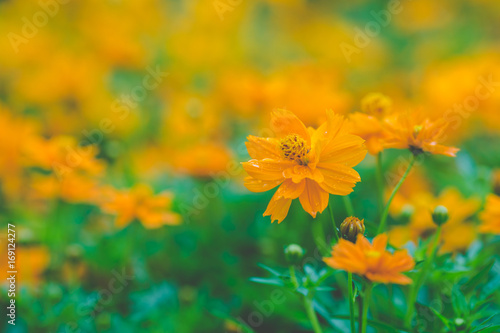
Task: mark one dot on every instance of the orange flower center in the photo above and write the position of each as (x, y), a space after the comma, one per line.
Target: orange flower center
(294, 148)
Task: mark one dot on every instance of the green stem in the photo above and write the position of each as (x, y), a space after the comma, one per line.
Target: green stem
(312, 314)
(366, 304)
(383, 218)
(348, 205)
(293, 277)
(351, 302)
(380, 183)
(319, 236)
(335, 230)
(412, 298)
(308, 303)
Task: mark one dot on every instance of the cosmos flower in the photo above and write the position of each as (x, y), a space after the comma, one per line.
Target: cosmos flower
(418, 134)
(371, 260)
(140, 203)
(305, 163)
(490, 217)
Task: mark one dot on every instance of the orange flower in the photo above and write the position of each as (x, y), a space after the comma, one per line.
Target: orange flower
(309, 164)
(371, 261)
(369, 128)
(418, 134)
(490, 217)
(368, 124)
(140, 203)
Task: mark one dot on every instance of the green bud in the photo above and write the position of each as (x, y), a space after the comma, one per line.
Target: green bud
(460, 324)
(440, 215)
(351, 227)
(294, 253)
(407, 212)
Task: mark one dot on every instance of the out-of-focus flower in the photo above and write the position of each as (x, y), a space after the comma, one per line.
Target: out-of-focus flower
(140, 203)
(376, 104)
(372, 261)
(456, 234)
(14, 133)
(308, 164)
(310, 90)
(369, 124)
(34, 259)
(74, 187)
(201, 160)
(490, 217)
(418, 134)
(62, 155)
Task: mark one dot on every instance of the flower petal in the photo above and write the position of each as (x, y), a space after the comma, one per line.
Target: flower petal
(313, 199)
(284, 122)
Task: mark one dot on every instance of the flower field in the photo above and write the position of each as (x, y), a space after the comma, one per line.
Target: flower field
(250, 166)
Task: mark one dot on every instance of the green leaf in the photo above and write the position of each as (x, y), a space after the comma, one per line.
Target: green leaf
(459, 303)
(474, 281)
(311, 273)
(489, 329)
(324, 288)
(268, 281)
(270, 270)
(484, 324)
(421, 308)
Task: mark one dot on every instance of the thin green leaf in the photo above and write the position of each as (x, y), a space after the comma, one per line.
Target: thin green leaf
(270, 270)
(268, 281)
(474, 281)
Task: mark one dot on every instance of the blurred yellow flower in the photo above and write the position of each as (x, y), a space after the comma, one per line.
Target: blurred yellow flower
(369, 124)
(457, 233)
(490, 217)
(139, 202)
(307, 164)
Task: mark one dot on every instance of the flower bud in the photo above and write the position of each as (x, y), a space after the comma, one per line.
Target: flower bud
(407, 212)
(351, 227)
(440, 215)
(294, 253)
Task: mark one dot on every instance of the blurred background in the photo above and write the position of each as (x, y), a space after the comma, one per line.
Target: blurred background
(123, 123)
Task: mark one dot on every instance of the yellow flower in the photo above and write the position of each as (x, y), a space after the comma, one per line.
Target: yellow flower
(457, 234)
(140, 203)
(490, 217)
(305, 163)
(376, 104)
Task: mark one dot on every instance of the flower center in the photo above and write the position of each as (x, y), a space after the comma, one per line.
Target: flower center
(417, 129)
(294, 148)
(373, 254)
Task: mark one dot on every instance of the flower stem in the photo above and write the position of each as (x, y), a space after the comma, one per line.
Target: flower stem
(348, 205)
(312, 314)
(308, 303)
(415, 287)
(380, 183)
(383, 218)
(351, 302)
(366, 304)
(335, 230)
(319, 236)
